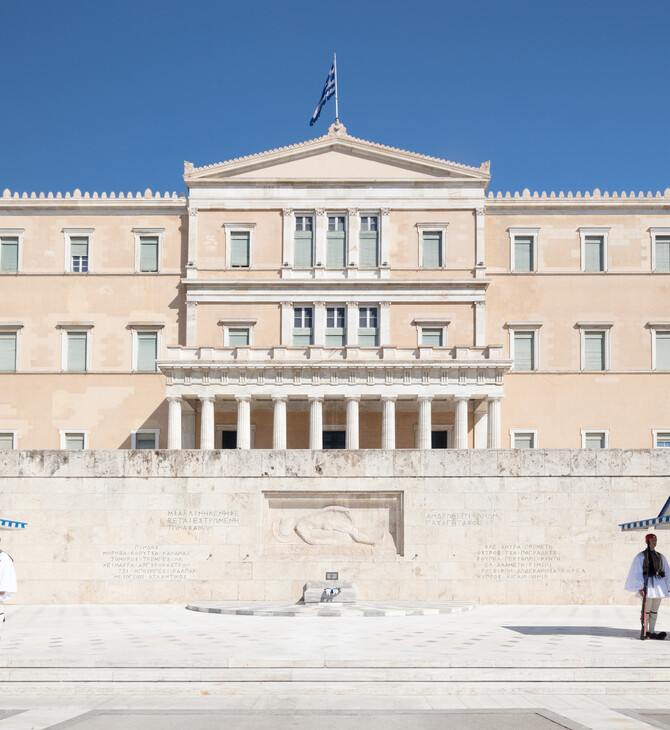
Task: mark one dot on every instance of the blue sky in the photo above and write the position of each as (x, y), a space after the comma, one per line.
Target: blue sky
(113, 96)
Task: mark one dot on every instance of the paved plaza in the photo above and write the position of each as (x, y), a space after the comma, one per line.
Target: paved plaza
(99, 667)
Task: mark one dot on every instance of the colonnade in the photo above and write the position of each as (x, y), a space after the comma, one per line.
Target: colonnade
(424, 430)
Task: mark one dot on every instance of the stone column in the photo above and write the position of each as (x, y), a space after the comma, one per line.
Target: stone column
(351, 439)
(192, 236)
(481, 426)
(316, 423)
(320, 226)
(319, 324)
(243, 421)
(279, 423)
(286, 334)
(191, 318)
(353, 234)
(424, 440)
(352, 324)
(207, 422)
(385, 237)
(461, 422)
(480, 246)
(384, 323)
(288, 230)
(174, 422)
(388, 423)
(494, 422)
(480, 324)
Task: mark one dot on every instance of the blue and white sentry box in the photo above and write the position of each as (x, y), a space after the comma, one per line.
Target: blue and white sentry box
(12, 524)
(662, 522)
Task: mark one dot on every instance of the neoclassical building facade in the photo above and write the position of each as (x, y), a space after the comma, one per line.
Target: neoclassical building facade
(334, 294)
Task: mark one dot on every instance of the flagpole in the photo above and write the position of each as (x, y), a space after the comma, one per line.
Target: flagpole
(337, 112)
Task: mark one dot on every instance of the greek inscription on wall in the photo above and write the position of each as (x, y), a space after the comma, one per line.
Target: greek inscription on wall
(149, 562)
(200, 519)
(458, 519)
(530, 561)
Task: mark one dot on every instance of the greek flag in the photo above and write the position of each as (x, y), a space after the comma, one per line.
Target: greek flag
(328, 91)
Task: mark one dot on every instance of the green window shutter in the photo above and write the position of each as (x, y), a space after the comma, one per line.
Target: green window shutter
(9, 255)
(145, 441)
(79, 246)
(74, 441)
(76, 351)
(593, 253)
(594, 441)
(663, 351)
(369, 250)
(147, 351)
(238, 337)
(431, 336)
(239, 248)
(594, 351)
(302, 337)
(523, 440)
(8, 351)
(662, 245)
(523, 253)
(432, 250)
(302, 250)
(6, 441)
(335, 337)
(367, 337)
(335, 250)
(149, 253)
(524, 350)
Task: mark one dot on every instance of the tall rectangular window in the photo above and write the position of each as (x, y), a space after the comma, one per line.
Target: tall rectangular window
(9, 254)
(239, 249)
(368, 328)
(302, 326)
(303, 243)
(238, 337)
(76, 343)
(662, 350)
(661, 253)
(524, 350)
(594, 253)
(336, 242)
(335, 327)
(524, 259)
(147, 351)
(79, 254)
(8, 342)
(369, 242)
(148, 253)
(594, 350)
(7, 440)
(432, 249)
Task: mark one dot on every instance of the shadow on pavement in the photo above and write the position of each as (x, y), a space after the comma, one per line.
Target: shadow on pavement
(575, 631)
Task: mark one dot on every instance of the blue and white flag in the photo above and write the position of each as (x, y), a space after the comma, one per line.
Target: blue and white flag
(328, 91)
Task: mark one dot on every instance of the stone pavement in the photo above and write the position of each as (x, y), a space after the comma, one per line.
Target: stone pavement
(99, 667)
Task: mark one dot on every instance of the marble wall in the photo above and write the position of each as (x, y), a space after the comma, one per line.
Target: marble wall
(176, 526)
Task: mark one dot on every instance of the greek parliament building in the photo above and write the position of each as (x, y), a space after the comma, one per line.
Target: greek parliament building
(335, 294)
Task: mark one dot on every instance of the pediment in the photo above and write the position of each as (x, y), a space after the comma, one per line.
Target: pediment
(336, 157)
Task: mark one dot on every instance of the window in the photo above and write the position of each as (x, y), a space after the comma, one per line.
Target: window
(432, 336)
(334, 439)
(239, 337)
(660, 249)
(303, 248)
(144, 439)
(524, 350)
(595, 439)
(74, 440)
(524, 439)
(7, 440)
(594, 248)
(77, 249)
(368, 318)
(369, 242)
(239, 244)
(662, 350)
(336, 242)
(148, 249)
(432, 241)
(8, 351)
(661, 439)
(302, 326)
(523, 249)
(238, 332)
(335, 327)
(76, 352)
(595, 345)
(10, 250)
(147, 352)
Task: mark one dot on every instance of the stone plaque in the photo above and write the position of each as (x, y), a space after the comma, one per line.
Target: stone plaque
(332, 523)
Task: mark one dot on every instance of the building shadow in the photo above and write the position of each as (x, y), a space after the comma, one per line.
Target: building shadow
(596, 631)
